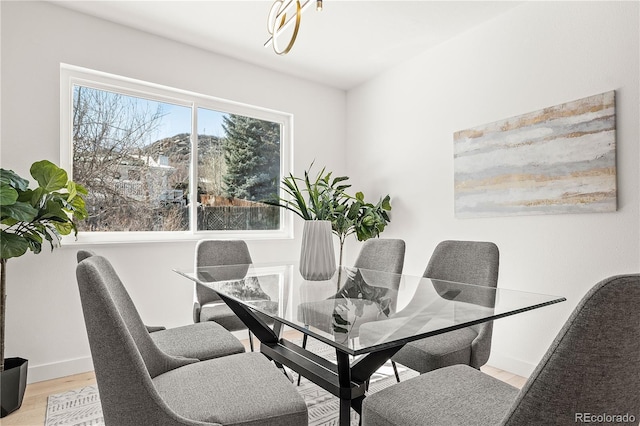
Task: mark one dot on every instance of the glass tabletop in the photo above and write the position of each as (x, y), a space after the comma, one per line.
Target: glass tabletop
(360, 310)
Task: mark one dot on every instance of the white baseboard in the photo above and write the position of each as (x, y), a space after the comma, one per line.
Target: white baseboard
(55, 370)
(512, 365)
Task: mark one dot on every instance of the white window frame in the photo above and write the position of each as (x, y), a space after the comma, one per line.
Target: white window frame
(71, 75)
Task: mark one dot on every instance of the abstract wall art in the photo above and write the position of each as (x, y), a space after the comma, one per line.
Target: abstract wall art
(561, 159)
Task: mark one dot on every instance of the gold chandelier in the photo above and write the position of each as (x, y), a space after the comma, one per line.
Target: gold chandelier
(277, 21)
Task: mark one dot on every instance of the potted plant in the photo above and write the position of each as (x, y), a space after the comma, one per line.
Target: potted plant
(315, 201)
(325, 199)
(28, 218)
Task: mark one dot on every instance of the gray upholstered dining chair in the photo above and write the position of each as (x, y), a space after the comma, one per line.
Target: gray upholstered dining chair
(383, 255)
(379, 254)
(207, 305)
(592, 368)
(140, 384)
(471, 262)
(376, 254)
(201, 341)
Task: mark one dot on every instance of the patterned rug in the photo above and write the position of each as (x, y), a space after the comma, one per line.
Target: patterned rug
(81, 407)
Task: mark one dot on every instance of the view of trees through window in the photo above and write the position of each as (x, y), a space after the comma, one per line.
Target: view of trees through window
(134, 157)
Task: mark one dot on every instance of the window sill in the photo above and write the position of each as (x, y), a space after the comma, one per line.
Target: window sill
(101, 238)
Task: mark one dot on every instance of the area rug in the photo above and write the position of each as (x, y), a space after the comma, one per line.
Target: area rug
(81, 407)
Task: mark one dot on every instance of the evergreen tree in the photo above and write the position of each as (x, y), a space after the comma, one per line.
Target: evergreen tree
(252, 157)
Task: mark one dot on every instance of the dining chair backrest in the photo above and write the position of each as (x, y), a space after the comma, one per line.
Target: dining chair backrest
(124, 357)
(219, 253)
(593, 365)
(381, 261)
(83, 254)
(222, 252)
(469, 262)
(382, 254)
(96, 271)
(386, 257)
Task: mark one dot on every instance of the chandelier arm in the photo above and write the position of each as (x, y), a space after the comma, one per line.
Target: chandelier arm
(278, 12)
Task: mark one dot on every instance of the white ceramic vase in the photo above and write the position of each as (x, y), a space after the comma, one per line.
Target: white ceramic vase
(317, 258)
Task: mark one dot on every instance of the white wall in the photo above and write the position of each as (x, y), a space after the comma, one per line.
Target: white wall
(44, 318)
(540, 54)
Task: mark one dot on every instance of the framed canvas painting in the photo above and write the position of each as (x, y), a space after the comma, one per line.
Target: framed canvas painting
(561, 159)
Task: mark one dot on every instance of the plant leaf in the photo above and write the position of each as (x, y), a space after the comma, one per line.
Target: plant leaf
(11, 178)
(37, 197)
(9, 221)
(78, 207)
(81, 189)
(53, 210)
(34, 240)
(8, 195)
(339, 179)
(49, 176)
(386, 204)
(64, 228)
(22, 212)
(12, 245)
(32, 216)
(71, 187)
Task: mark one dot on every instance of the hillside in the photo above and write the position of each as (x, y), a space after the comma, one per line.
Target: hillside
(177, 148)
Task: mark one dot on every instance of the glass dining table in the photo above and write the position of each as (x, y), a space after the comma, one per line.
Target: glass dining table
(366, 315)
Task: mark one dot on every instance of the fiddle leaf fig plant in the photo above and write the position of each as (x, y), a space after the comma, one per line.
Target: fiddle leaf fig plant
(29, 217)
(365, 220)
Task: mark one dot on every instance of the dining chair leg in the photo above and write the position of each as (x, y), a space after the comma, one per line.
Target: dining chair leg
(304, 345)
(251, 340)
(395, 371)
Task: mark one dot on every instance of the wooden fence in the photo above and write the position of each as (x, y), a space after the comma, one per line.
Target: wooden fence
(234, 218)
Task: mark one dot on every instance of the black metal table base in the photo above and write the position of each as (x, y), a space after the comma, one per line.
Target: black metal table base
(345, 379)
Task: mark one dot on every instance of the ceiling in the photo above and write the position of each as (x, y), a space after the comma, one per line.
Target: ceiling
(342, 46)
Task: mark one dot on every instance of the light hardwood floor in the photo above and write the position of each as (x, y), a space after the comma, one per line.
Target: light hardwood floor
(34, 405)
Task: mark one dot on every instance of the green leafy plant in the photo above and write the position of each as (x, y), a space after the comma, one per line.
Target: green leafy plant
(29, 217)
(325, 198)
(365, 220)
(320, 198)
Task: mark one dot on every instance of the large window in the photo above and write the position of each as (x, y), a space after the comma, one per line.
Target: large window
(165, 163)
